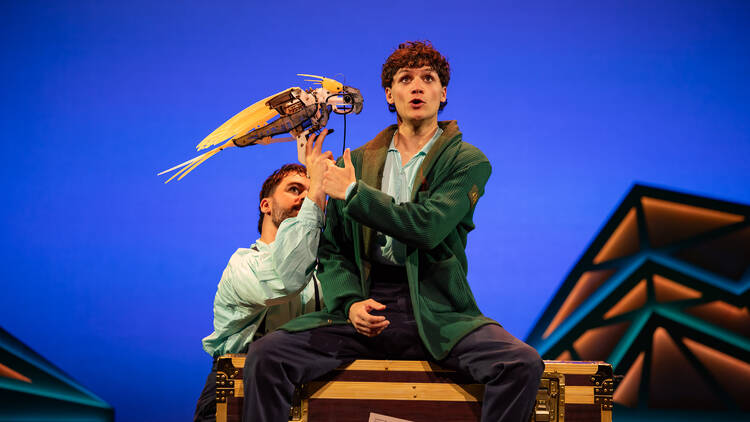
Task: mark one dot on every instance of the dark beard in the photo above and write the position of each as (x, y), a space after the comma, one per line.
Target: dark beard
(278, 215)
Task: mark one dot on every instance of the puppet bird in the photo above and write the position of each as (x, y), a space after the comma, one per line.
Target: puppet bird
(294, 111)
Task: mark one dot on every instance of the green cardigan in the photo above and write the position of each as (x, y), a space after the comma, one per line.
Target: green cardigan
(433, 227)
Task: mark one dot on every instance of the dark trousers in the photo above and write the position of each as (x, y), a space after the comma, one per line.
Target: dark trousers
(509, 368)
(205, 410)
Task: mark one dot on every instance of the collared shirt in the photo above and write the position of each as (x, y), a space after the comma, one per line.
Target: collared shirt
(270, 281)
(398, 182)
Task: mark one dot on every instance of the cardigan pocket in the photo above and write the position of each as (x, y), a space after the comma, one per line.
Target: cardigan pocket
(443, 288)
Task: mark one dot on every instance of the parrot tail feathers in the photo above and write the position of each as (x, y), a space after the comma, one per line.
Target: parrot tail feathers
(189, 165)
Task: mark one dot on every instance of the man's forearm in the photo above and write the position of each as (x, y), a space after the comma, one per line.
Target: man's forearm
(295, 249)
(424, 223)
(318, 196)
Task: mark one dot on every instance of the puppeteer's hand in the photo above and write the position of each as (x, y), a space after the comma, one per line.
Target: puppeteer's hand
(317, 164)
(364, 323)
(337, 179)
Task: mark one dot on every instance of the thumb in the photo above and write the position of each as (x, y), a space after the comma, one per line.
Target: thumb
(375, 305)
(348, 159)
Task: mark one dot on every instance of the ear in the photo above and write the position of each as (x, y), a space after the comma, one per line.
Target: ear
(444, 96)
(389, 96)
(265, 206)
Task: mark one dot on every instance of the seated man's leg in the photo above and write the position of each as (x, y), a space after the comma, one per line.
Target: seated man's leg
(279, 361)
(509, 368)
(205, 410)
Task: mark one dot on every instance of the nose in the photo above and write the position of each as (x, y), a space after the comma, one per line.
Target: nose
(417, 86)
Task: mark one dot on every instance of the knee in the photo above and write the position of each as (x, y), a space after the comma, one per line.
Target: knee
(530, 363)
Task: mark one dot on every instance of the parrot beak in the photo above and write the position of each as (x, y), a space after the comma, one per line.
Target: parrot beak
(354, 97)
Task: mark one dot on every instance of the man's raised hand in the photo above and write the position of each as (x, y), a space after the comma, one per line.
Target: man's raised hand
(317, 164)
(337, 179)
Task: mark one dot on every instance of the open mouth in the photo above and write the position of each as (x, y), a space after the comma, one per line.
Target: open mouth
(416, 101)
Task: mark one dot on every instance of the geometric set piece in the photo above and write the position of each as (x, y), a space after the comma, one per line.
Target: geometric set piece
(587, 284)
(32, 388)
(662, 293)
(628, 390)
(670, 368)
(733, 374)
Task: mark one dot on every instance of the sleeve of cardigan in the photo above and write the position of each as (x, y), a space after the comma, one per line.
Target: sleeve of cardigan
(423, 224)
(337, 270)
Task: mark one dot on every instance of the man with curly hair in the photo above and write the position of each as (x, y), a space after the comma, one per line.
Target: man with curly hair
(392, 261)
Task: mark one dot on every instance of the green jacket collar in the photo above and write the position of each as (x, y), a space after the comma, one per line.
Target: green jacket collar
(375, 151)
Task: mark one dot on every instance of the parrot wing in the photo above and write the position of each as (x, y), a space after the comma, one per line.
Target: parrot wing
(255, 116)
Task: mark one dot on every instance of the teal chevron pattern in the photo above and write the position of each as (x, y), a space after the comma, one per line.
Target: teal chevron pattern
(662, 293)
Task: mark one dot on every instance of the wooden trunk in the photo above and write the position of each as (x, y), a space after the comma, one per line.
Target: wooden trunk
(229, 391)
(412, 390)
(575, 392)
(422, 391)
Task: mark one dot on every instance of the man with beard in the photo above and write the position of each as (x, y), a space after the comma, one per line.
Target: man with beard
(271, 282)
(393, 263)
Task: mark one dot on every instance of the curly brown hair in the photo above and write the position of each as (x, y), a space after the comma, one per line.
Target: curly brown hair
(413, 54)
(269, 186)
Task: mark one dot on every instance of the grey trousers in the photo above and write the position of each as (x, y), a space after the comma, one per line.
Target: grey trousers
(509, 368)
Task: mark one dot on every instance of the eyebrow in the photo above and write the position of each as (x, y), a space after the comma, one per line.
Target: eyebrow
(295, 184)
(412, 69)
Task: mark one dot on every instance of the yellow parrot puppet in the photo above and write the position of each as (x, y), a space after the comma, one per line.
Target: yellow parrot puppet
(299, 112)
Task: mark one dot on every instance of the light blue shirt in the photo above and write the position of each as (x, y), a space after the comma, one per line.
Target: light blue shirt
(270, 281)
(398, 182)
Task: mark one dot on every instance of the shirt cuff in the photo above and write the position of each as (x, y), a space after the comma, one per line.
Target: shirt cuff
(349, 190)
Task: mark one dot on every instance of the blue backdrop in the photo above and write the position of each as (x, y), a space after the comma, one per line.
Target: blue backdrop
(111, 274)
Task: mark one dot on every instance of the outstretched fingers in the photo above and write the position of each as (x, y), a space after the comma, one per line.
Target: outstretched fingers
(319, 144)
(315, 141)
